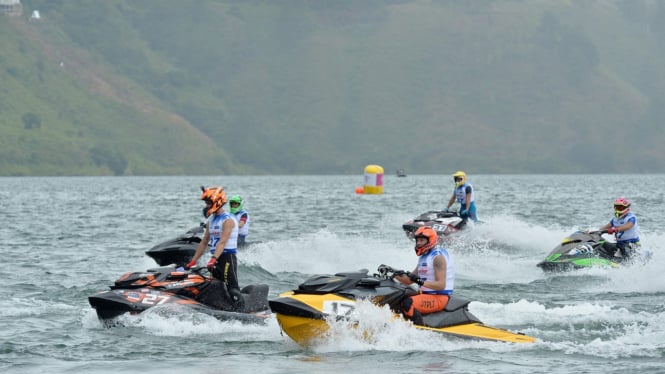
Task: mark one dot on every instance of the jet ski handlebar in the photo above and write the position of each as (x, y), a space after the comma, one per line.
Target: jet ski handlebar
(388, 272)
(200, 270)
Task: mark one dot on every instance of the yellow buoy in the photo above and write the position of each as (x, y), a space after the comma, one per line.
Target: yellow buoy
(373, 179)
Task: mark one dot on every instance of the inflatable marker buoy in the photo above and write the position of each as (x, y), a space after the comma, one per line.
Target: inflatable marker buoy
(373, 179)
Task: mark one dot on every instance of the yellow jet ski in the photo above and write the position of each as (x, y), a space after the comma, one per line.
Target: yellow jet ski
(303, 313)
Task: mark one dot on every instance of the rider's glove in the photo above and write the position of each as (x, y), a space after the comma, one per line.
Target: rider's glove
(416, 279)
(190, 265)
(446, 210)
(211, 264)
(612, 230)
(464, 212)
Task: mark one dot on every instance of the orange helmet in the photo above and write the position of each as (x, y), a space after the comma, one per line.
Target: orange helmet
(621, 206)
(215, 198)
(427, 233)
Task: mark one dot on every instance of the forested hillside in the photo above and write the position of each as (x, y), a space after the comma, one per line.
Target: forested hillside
(125, 87)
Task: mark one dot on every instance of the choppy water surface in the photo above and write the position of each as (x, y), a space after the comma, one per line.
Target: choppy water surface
(64, 239)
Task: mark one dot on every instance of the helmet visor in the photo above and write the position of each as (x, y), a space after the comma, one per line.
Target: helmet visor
(234, 203)
(620, 209)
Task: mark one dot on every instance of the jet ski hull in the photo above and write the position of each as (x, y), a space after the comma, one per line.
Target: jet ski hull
(113, 303)
(565, 263)
(303, 331)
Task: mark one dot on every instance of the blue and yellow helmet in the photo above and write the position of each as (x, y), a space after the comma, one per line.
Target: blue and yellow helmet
(460, 178)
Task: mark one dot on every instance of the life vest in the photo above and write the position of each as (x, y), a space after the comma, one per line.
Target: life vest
(215, 223)
(426, 271)
(632, 234)
(243, 231)
(460, 193)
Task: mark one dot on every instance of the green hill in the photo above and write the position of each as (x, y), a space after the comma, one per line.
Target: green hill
(65, 112)
(217, 87)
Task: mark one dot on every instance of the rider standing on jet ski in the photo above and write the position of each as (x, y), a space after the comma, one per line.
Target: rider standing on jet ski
(624, 227)
(463, 193)
(221, 237)
(236, 207)
(434, 273)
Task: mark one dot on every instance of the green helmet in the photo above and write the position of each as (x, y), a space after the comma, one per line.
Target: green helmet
(235, 203)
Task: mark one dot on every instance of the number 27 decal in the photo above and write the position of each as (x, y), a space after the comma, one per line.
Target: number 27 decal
(154, 299)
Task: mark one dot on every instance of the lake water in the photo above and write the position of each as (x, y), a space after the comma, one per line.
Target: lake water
(63, 239)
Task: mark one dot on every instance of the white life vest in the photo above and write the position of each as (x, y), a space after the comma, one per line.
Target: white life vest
(460, 193)
(632, 234)
(215, 227)
(426, 271)
(244, 230)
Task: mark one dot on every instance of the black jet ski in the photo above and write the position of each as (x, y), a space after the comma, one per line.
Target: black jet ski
(583, 249)
(136, 292)
(443, 222)
(179, 250)
(303, 314)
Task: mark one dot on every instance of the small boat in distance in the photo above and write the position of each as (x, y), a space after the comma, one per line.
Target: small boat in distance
(401, 173)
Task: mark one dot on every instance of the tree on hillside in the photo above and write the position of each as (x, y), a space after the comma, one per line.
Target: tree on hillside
(31, 121)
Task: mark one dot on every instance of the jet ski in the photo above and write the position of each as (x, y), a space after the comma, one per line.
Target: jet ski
(303, 314)
(443, 222)
(136, 292)
(180, 250)
(583, 249)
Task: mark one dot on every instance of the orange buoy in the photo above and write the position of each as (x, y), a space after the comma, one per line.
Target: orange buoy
(360, 190)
